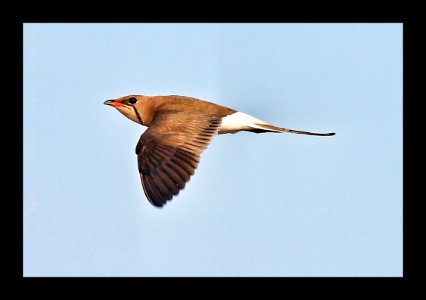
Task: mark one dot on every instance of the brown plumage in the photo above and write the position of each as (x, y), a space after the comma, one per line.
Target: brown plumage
(180, 129)
(169, 152)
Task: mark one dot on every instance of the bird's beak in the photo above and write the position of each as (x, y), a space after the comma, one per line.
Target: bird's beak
(113, 103)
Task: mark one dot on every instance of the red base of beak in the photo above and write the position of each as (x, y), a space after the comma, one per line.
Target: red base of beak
(113, 103)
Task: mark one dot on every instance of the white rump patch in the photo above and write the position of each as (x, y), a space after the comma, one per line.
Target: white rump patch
(239, 121)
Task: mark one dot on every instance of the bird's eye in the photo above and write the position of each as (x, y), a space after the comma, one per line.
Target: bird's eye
(133, 100)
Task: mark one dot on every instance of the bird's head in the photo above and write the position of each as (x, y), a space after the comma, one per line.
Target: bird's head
(128, 106)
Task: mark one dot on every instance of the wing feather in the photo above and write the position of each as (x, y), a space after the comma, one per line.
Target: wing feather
(169, 152)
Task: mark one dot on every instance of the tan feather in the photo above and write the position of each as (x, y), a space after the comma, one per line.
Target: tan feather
(169, 152)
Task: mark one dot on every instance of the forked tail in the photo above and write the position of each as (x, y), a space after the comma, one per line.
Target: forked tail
(260, 128)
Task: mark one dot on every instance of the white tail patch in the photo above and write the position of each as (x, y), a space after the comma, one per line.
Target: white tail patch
(239, 121)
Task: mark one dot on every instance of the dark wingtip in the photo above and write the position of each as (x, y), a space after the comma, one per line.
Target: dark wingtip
(157, 205)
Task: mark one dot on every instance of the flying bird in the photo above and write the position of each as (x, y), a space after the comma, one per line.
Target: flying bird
(179, 129)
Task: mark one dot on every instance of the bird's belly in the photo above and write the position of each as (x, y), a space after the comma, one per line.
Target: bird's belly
(237, 122)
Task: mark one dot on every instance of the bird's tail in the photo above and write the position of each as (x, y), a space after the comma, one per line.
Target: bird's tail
(261, 128)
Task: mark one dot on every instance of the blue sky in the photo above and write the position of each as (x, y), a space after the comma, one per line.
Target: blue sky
(259, 204)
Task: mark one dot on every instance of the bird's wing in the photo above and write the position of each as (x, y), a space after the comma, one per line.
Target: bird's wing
(169, 152)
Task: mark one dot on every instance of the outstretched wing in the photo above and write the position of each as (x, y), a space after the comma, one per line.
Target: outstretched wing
(169, 152)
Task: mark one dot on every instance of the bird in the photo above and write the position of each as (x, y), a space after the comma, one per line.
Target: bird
(180, 128)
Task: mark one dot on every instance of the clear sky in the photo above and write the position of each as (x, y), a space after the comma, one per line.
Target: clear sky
(259, 204)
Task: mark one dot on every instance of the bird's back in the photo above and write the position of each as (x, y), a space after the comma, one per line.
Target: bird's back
(191, 105)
